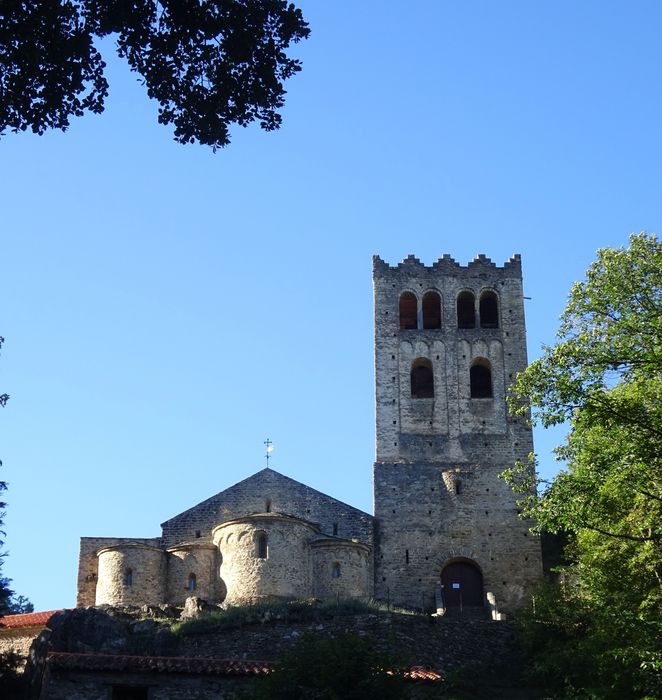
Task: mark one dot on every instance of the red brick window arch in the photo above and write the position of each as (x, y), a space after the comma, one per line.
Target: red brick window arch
(431, 310)
(489, 310)
(466, 310)
(408, 311)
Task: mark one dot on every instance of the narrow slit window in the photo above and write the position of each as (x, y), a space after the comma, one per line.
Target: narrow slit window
(480, 376)
(335, 529)
(267, 505)
(489, 310)
(335, 570)
(192, 583)
(422, 379)
(128, 577)
(431, 310)
(408, 311)
(466, 310)
(261, 545)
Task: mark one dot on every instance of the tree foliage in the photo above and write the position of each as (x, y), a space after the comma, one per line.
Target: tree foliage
(604, 377)
(9, 603)
(343, 667)
(209, 63)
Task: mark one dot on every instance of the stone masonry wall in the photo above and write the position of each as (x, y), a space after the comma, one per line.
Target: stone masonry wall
(201, 560)
(284, 573)
(425, 447)
(88, 564)
(97, 686)
(147, 585)
(352, 579)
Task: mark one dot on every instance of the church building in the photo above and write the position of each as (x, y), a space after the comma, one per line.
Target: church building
(445, 537)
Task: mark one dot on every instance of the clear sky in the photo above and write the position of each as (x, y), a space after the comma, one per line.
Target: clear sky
(167, 309)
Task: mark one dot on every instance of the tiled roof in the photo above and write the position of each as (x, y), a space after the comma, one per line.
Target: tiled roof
(185, 664)
(420, 673)
(35, 619)
(156, 664)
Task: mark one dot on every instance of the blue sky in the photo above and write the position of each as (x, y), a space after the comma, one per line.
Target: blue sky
(167, 309)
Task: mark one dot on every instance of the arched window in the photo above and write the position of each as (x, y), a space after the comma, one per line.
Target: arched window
(267, 505)
(408, 311)
(192, 582)
(128, 577)
(431, 310)
(261, 548)
(422, 379)
(335, 570)
(466, 310)
(480, 376)
(489, 310)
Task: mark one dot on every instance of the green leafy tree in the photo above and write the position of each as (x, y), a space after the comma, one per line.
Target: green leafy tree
(209, 63)
(9, 603)
(344, 667)
(604, 377)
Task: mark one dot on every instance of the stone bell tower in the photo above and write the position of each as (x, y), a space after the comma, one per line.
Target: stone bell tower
(449, 340)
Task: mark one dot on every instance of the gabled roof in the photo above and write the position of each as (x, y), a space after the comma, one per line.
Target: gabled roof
(34, 619)
(258, 479)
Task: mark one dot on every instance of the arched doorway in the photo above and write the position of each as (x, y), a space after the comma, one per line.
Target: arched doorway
(462, 585)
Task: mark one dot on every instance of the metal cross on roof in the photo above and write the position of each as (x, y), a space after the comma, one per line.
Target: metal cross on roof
(270, 449)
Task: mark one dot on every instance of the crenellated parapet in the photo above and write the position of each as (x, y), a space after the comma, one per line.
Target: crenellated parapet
(449, 266)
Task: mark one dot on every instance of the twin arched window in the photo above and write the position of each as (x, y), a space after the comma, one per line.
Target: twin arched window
(430, 311)
(422, 379)
(488, 310)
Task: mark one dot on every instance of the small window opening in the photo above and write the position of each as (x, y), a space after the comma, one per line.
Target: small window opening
(432, 310)
(408, 311)
(261, 548)
(458, 487)
(192, 583)
(489, 310)
(335, 570)
(335, 529)
(480, 377)
(422, 379)
(198, 534)
(128, 577)
(267, 506)
(466, 310)
(129, 692)
(406, 556)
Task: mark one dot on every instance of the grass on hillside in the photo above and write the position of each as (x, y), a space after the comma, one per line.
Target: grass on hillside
(309, 610)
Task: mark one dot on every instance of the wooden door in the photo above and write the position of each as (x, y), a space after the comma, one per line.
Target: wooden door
(462, 585)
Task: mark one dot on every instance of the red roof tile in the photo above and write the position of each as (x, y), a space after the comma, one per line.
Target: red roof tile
(421, 673)
(156, 664)
(35, 619)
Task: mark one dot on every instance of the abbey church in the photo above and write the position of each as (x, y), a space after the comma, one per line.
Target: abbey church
(445, 536)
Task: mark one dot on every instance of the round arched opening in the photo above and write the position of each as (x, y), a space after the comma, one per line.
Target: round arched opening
(462, 585)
